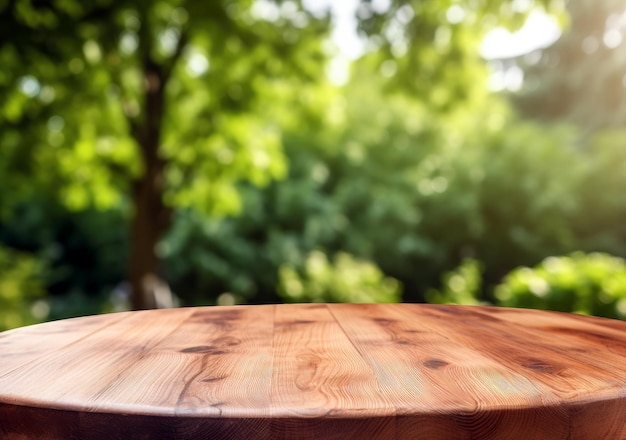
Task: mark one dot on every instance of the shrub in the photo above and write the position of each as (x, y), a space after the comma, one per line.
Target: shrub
(460, 286)
(593, 284)
(345, 279)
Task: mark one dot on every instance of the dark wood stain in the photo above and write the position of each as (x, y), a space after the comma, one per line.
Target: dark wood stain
(297, 322)
(198, 349)
(435, 363)
(384, 322)
(217, 317)
(404, 342)
(540, 365)
(212, 379)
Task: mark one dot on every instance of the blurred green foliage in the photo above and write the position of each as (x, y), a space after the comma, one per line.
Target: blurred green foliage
(413, 193)
(155, 105)
(342, 279)
(282, 187)
(590, 284)
(429, 48)
(460, 286)
(21, 289)
(84, 253)
(73, 101)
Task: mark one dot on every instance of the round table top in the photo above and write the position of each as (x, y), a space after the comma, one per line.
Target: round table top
(391, 371)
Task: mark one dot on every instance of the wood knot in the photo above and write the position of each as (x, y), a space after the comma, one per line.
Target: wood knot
(384, 322)
(539, 365)
(212, 379)
(435, 363)
(202, 349)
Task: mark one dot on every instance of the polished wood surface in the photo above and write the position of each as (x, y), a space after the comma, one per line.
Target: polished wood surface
(316, 371)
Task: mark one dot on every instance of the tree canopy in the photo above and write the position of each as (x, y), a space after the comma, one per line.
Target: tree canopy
(160, 117)
(158, 100)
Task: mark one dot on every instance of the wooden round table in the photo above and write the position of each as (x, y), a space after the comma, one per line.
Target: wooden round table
(316, 371)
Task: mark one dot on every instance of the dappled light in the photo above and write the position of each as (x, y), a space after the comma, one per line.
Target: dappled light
(174, 153)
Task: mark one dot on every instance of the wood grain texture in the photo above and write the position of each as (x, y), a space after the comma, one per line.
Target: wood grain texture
(316, 371)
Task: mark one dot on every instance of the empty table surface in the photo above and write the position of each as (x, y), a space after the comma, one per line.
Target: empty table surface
(316, 371)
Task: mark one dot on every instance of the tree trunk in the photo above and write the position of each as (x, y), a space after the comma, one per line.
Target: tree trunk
(145, 234)
(151, 217)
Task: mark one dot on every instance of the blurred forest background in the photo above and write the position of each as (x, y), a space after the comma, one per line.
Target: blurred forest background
(186, 152)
